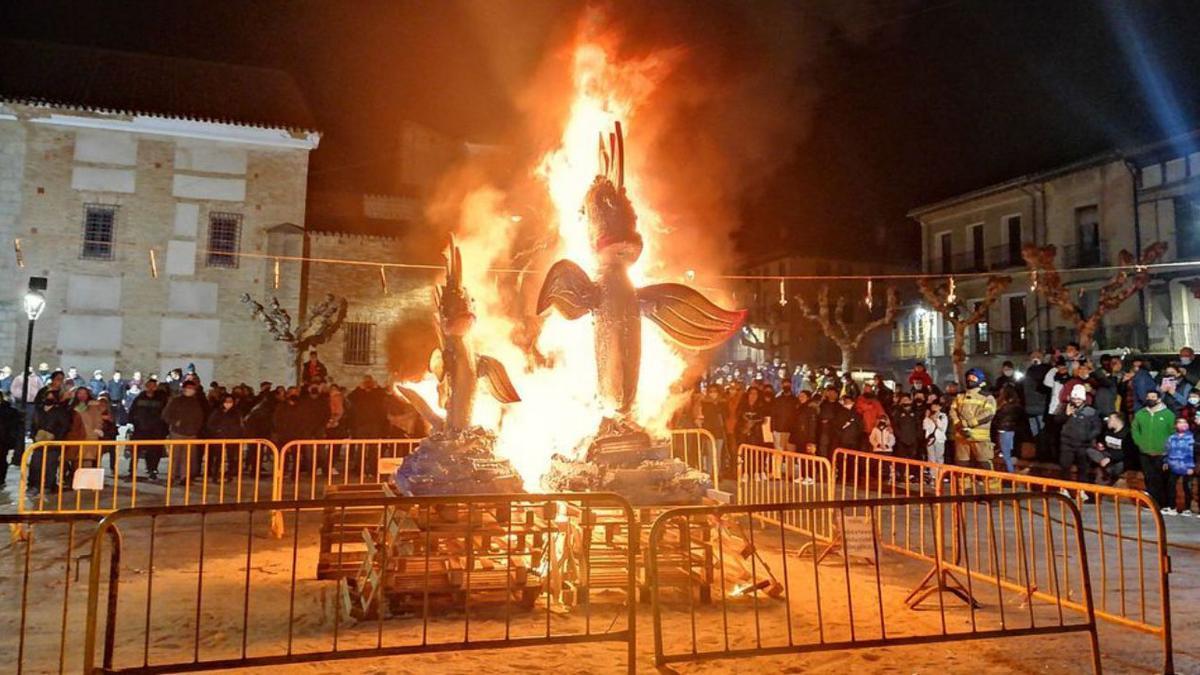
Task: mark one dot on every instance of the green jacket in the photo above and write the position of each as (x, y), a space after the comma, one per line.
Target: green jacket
(1152, 429)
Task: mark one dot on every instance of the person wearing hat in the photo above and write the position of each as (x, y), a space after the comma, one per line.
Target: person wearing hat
(972, 414)
(1081, 427)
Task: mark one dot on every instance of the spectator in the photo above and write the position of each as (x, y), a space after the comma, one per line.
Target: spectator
(314, 372)
(849, 386)
(12, 433)
(259, 423)
(804, 429)
(1010, 417)
(883, 438)
(1103, 390)
(1008, 375)
(919, 378)
(936, 426)
(288, 420)
(117, 388)
(1081, 428)
(1139, 382)
(368, 411)
(185, 417)
(52, 422)
(1191, 367)
(146, 416)
(827, 414)
(712, 419)
(97, 384)
(73, 379)
(868, 407)
(1072, 356)
(1174, 389)
(782, 412)
(884, 393)
(6, 378)
(1115, 446)
(26, 405)
(1152, 425)
(752, 413)
(906, 422)
(849, 425)
(1180, 463)
(225, 422)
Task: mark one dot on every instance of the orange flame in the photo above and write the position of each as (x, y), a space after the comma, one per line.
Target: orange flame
(560, 409)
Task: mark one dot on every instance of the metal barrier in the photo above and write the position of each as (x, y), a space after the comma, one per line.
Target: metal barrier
(308, 467)
(770, 476)
(42, 550)
(360, 578)
(200, 471)
(1123, 528)
(789, 605)
(1125, 533)
(699, 449)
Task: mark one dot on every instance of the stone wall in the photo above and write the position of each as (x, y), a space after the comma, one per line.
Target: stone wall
(113, 313)
(408, 295)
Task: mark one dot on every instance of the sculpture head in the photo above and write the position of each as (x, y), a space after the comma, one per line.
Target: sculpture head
(456, 310)
(612, 223)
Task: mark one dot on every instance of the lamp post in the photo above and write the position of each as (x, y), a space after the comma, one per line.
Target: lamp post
(35, 303)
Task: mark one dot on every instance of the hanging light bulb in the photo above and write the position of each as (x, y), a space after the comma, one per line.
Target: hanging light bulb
(153, 264)
(782, 293)
(19, 254)
(869, 299)
(277, 274)
(951, 297)
(383, 279)
(1033, 282)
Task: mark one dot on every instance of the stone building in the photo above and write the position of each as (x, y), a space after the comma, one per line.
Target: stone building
(1090, 210)
(201, 165)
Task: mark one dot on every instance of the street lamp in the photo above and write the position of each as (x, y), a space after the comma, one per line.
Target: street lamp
(35, 303)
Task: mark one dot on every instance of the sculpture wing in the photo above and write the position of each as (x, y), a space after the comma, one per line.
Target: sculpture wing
(496, 378)
(436, 422)
(568, 289)
(688, 317)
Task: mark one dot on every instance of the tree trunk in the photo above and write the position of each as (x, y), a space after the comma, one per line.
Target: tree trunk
(847, 357)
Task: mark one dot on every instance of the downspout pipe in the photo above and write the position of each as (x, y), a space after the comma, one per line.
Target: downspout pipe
(1137, 242)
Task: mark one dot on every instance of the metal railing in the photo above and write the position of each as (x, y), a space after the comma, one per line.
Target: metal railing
(1000, 257)
(1075, 255)
(309, 467)
(698, 449)
(770, 476)
(1122, 528)
(197, 471)
(43, 597)
(789, 605)
(428, 575)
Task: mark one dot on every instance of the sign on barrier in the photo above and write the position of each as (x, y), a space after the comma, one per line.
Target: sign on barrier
(802, 607)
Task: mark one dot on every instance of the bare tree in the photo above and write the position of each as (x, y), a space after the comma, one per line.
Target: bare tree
(1119, 288)
(833, 323)
(323, 321)
(946, 303)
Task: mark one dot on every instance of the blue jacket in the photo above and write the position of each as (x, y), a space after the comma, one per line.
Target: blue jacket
(1181, 453)
(1142, 383)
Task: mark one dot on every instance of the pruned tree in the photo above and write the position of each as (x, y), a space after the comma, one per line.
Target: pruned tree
(833, 321)
(943, 300)
(323, 321)
(1122, 286)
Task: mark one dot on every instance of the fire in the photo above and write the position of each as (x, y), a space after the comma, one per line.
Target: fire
(560, 408)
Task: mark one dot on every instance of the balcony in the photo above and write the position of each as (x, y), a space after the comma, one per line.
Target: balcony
(1005, 342)
(1074, 256)
(989, 259)
(909, 349)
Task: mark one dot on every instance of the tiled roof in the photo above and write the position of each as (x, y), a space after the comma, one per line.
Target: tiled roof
(100, 79)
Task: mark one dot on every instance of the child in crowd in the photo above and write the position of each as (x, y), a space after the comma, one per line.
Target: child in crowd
(1179, 461)
(935, 427)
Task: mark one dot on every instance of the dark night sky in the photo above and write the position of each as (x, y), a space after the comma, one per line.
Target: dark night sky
(942, 97)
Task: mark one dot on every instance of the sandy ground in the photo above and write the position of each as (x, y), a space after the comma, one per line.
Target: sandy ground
(224, 610)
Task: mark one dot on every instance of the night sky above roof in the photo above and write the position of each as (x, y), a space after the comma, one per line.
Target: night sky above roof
(911, 101)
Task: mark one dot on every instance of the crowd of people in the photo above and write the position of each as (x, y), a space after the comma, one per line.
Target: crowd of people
(1092, 419)
(61, 405)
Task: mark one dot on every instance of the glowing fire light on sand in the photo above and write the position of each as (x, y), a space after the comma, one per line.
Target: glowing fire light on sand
(560, 408)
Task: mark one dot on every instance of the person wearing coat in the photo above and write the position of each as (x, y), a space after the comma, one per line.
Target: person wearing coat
(225, 422)
(1081, 427)
(1010, 417)
(146, 416)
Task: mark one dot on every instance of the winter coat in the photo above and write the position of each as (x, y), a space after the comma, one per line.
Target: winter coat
(1104, 393)
(870, 409)
(1009, 417)
(804, 429)
(224, 423)
(848, 432)
(1080, 429)
(714, 418)
(116, 391)
(1181, 453)
(751, 418)
(972, 414)
(906, 420)
(97, 385)
(55, 421)
(935, 426)
(185, 416)
(290, 422)
(1033, 389)
(259, 422)
(1121, 443)
(12, 428)
(782, 412)
(1151, 428)
(1142, 383)
(313, 372)
(146, 415)
(883, 439)
(368, 413)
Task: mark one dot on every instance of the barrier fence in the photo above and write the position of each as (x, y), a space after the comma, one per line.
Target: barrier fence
(103, 476)
(309, 467)
(812, 607)
(359, 578)
(700, 450)
(42, 600)
(770, 476)
(1123, 529)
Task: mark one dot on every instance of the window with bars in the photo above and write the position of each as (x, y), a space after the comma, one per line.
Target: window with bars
(99, 231)
(358, 344)
(224, 238)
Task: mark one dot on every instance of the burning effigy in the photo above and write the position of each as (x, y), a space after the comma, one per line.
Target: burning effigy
(457, 457)
(622, 457)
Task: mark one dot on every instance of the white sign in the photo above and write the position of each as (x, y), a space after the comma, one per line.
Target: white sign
(88, 479)
(858, 533)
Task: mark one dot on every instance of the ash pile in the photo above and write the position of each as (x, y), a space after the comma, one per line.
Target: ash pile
(463, 463)
(629, 462)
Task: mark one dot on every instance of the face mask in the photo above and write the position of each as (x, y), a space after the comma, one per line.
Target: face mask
(1193, 400)
(1186, 360)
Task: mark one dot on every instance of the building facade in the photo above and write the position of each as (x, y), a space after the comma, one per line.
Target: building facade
(90, 195)
(1090, 211)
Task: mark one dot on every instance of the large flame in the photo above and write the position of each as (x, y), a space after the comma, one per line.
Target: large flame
(560, 408)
